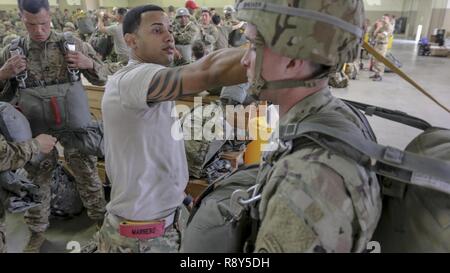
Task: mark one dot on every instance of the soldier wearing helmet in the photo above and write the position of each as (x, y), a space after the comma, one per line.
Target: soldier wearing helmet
(306, 198)
(208, 31)
(312, 200)
(185, 32)
(229, 18)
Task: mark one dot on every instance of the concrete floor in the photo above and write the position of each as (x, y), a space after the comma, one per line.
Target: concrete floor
(394, 93)
(432, 73)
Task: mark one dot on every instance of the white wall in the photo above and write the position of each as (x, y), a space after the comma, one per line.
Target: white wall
(384, 5)
(14, 2)
(440, 4)
(115, 3)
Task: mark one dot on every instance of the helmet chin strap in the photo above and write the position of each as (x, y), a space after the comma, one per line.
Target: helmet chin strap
(260, 84)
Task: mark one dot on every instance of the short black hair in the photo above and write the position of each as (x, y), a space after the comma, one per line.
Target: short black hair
(171, 8)
(33, 6)
(216, 19)
(133, 18)
(122, 11)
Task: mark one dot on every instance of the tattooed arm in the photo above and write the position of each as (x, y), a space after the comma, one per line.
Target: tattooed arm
(220, 68)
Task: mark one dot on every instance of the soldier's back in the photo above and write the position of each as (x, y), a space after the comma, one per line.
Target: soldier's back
(314, 199)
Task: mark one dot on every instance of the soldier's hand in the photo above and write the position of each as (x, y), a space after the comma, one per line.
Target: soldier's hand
(46, 143)
(78, 60)
(13, 67)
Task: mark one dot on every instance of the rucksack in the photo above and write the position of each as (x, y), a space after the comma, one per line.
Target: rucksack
(85, 25)
(210, 221)
(417, 219)
(214, 216)
(103, 44)
(65, 200)
(203, 156)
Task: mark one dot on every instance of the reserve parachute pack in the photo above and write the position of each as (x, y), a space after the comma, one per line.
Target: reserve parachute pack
(17, 193)
(221, 218)
(59, 109)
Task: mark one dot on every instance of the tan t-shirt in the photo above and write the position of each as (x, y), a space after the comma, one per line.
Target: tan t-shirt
(146, 165)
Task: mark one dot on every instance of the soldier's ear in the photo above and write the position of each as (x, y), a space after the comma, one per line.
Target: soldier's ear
(130, 40)
(295, 66)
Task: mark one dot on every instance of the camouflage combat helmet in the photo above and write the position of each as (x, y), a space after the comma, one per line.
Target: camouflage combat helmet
(228, 9)
(182, 12)
(324, 32)
(69, 26)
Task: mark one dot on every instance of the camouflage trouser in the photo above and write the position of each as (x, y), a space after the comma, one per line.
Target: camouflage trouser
(2, 229)
(110, 240)
(88, 182)
(378, 66)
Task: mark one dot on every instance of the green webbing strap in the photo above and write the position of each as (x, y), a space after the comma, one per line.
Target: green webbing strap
(389, 162)
(392, 115)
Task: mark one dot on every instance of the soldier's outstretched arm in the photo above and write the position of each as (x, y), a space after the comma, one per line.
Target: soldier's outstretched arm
(220, 68)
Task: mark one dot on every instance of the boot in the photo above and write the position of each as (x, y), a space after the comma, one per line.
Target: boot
(35, 242)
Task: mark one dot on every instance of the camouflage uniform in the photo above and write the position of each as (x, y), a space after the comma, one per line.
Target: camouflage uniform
(184, 37)
(381, 39)
(46, 63)
(230, 21)
(8, 39)
(312, 200)
(2, 31)
(12, 157)
(209, 35)
(14, 16)
(315, 200)
(111, 241)
(57, 21)
(66, 19)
